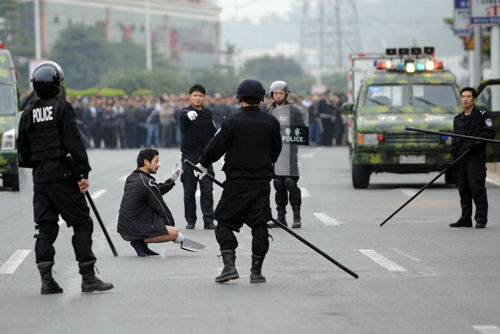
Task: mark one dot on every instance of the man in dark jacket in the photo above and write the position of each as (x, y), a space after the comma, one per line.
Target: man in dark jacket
(470, 171)
(197, 128)
(251, 142)
(144, 217)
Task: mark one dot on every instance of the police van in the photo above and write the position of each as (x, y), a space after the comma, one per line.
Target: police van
(403, 87)
(9, 177)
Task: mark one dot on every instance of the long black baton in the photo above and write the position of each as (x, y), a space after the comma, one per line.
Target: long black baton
(424, 187)
(316, 249)
(487, 140)
(91, 201)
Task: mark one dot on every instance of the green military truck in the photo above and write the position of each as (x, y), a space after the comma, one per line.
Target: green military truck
(407, 87)
(9, 176)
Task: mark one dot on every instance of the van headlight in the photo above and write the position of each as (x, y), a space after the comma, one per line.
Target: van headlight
(8, 140)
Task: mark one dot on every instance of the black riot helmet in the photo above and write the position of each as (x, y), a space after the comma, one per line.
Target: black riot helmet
(252, 89)
(279, 86)
(47, 79)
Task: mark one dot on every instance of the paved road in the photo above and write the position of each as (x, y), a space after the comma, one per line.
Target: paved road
(417, 275)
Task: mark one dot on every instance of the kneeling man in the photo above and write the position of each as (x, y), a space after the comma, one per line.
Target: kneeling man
(144, 216)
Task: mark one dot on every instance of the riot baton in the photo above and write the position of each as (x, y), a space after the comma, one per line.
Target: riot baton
(304, 241)
(89, 198)
(493, 141)
(424, 187)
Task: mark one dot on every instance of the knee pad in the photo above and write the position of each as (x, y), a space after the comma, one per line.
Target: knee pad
(47, 232)
(290, 183)
(278, 184)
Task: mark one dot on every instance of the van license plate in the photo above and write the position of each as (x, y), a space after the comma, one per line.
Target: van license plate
(412, 159)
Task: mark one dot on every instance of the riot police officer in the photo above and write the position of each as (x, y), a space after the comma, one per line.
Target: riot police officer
(47, 135)
(470, 171)
(251, 142)
(286, 168)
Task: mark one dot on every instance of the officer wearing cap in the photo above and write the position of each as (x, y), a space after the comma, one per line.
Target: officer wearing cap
(48, 134)
(470, 171)
(251, 142)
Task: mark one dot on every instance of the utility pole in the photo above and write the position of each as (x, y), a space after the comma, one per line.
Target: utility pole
(38, 48)
(149, 60)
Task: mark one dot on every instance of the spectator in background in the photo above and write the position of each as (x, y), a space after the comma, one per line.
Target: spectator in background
(153, 126)
(325, 112)
(108, 127)
(314, 122)
(131, 122)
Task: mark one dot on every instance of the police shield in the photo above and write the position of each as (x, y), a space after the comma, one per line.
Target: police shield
(294, 127)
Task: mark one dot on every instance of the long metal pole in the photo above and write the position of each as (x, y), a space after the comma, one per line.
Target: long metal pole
(319, 251)
(38, 48)
(149, 61)
(487, 140)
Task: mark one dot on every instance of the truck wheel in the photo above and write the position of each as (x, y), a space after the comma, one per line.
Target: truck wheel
(12, 181)
(360, 176)
(449, 177)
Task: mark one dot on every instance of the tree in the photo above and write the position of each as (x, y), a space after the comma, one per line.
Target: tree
(269, 69)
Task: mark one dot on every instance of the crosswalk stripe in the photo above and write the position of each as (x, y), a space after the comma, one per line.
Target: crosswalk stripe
(382, 260)
(304, 193)
(327, 220)
(487, 329)
(10, 266)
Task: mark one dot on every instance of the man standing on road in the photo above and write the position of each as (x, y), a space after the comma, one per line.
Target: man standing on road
(144, 216)
(470, 171)
(251, 141)
(286, 168)
(197, 128)
(47, 134)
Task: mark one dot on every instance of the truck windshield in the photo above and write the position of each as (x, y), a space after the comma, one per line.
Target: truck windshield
(434, 95)
(7, 99)
(386, 95)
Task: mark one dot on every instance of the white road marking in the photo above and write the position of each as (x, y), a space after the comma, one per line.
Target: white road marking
(98, 193)
(487, 329)
(304, 193)
(307, 155)
(408, 192)
(494, 181)
(123, 178)
(408, 256)
(327, 220)
(382, 260)
(10, 266)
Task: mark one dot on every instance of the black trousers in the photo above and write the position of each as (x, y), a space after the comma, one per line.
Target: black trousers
(63, 198)
(286, 188)
(470, 176)
(244, 203)
(190, 183)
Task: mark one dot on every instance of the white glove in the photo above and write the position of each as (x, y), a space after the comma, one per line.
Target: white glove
(202, 174)
(192, 115)
(176, 172)
(179, 239)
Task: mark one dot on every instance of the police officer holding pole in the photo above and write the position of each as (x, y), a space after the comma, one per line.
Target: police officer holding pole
(251, 142)
(47, 135)
(470, 171)
(294, 123)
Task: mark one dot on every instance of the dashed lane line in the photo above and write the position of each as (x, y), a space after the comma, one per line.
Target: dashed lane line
(10, 266)
(408, 192)
(487, 329)
(327, 220)
(416, 259)
(304, 193)
(382, 260)
(307, 155)
(98, 193)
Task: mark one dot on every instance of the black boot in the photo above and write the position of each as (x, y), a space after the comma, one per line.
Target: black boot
(49, 285)
(90, 282)
(255, 273)
(149, 251)
(229, 271)
(281, 217)
(296, 217)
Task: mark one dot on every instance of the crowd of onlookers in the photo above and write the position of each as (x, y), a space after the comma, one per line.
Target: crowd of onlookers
(146, 121)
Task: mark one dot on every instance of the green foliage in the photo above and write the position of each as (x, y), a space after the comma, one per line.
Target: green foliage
(216, 80)
(269, 69)
(112, 92)
(336, 82)
(142, 92)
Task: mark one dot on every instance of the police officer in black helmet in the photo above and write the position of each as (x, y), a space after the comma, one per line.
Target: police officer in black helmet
(251, 142)
(47, 135)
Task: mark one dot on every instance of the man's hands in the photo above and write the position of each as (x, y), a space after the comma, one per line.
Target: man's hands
(192, 115)
(176, 172)
(202, 174)
(84, 185)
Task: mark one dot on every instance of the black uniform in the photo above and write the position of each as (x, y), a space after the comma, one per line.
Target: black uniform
(251, 141)
(470, 171)
(143, 212)
(47, 133)
(195, 136)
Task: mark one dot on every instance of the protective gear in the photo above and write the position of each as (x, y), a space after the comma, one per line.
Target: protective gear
(296, 217)
(256, 270)
(176, 172)
(49, 285)
(47, 79)
(279, 86)
(192, 115)
(251, 88)
(281, 216)
(202, 174)
(90, 282)
(229, 271)
(179, 239)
